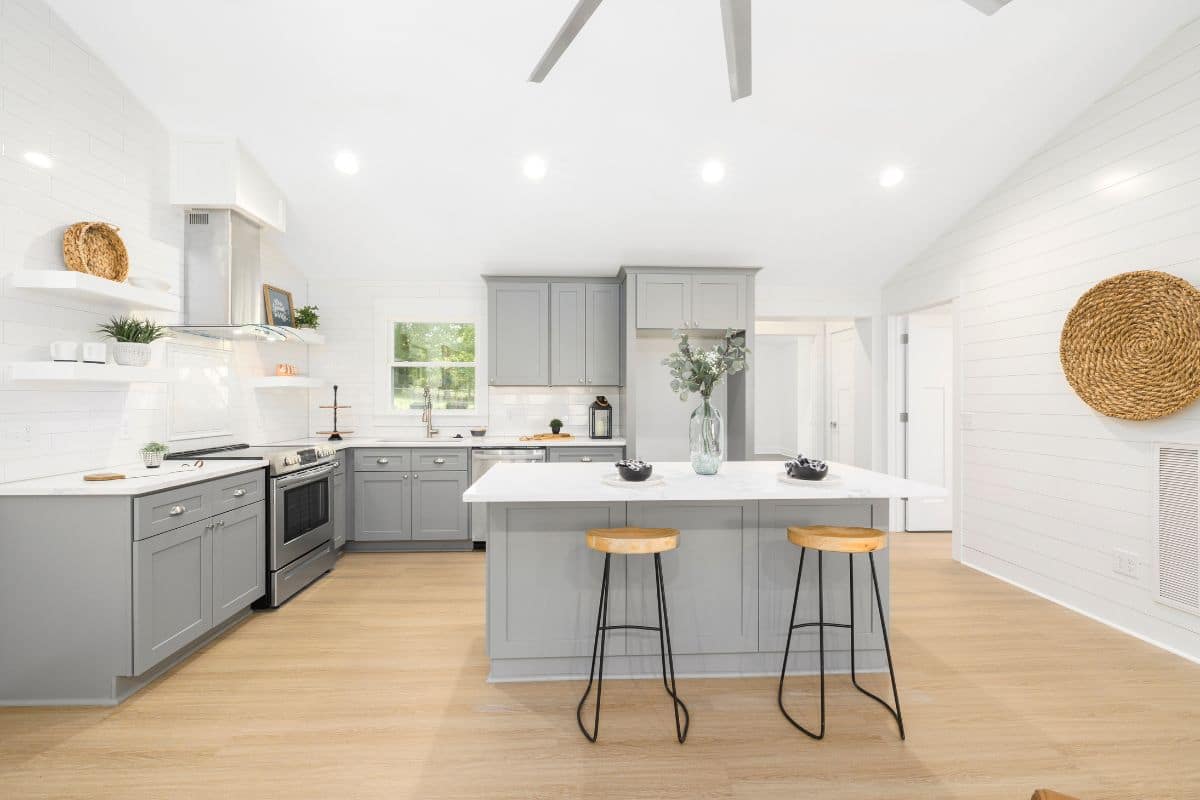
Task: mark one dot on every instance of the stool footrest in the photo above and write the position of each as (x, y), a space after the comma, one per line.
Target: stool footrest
(820, 625)
(629, 628)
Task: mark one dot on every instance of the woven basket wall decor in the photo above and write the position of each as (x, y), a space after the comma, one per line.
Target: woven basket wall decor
(1130, 347)
(97, 249)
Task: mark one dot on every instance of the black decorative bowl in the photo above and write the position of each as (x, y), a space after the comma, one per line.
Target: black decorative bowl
(635, 471)
(806, 469)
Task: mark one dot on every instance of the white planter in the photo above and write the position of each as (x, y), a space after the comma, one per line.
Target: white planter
(153, 458)
(131, 354)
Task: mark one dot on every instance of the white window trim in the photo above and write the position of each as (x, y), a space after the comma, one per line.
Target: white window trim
(429, 309)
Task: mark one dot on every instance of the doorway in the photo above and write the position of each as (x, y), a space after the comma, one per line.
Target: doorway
(928, 414)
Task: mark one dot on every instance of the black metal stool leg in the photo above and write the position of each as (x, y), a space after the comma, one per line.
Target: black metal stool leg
(668, 657)
(887, 649)
(820, 636)
(599, 641)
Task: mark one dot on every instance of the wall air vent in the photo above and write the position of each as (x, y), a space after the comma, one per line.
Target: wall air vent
(197, 218)
(1176, 521)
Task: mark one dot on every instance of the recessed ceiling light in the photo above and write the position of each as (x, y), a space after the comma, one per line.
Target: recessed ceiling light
(713, 171)
(39, 160)
(346, 163)
(890, 177)
(534, 168)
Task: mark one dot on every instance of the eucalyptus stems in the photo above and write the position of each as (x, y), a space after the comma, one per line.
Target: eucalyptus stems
(699, 370)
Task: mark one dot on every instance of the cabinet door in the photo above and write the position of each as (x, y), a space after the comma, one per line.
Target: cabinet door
(172, 592)
(585, 455)
(438, 510)
(239, 555)
(381, 501)
(719, 301)
(664, 300)
(519, 334)
(568, 366)
(340, 502)
(603, 334)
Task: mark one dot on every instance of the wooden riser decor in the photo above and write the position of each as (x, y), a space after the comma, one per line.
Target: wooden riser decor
(1130, 347)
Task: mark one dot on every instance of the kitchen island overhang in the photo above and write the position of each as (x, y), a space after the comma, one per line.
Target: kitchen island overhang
(729, 584)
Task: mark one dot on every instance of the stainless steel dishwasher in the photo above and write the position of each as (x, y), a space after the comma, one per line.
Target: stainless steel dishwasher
(483, 459)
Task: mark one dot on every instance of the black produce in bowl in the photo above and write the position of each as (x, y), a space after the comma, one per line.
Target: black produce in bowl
(806, 469)
(635, 470)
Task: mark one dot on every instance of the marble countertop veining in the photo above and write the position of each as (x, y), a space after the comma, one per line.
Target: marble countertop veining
(737, 480)
(138, 481)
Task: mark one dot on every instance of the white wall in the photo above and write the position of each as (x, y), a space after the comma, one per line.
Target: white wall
(110, 163)
(1050, 487)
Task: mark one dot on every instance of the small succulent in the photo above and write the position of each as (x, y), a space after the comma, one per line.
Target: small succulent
(556, 425)
(806, 469)
(132, 329)
(154, 447)
(307, 317)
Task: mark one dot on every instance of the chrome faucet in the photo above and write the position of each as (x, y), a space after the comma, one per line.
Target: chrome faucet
(427, 414)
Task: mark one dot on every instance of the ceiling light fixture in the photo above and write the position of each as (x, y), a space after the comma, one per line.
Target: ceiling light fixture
(535, 168)
(713, 171)
(39, 160)
(346, 163)
(891, 177)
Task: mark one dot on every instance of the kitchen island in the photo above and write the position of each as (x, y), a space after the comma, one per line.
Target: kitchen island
(729, 584)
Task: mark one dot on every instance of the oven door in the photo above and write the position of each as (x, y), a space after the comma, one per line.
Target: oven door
(301, 513)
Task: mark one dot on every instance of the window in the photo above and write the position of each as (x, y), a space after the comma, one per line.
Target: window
(440, 355)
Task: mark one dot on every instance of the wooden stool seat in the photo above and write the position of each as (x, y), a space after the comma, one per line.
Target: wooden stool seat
(834, 539)
(632, 541)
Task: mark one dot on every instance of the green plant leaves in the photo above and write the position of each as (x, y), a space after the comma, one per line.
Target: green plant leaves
(132, 329)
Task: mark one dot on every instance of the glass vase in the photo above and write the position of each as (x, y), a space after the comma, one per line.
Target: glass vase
(706, 434)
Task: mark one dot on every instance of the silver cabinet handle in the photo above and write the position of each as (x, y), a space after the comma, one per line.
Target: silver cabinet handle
(439, 461)
(381, 461)
(177, 510)
(586, 459)
(239, 492)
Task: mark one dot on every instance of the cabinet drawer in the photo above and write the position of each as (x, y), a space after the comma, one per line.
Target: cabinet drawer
(237, 491)
(451, 460)
(166, 511)
(586, 455)
(381, 460)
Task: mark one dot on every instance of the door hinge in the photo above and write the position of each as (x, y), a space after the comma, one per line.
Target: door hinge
(904, 416)
(904, 338)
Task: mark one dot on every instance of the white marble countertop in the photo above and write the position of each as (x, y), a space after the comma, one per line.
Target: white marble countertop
(446, 441)
(138, 481)
(737, 480)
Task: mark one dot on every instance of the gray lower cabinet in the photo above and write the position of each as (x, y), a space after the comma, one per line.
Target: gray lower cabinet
(239, 556)
(341, 502)
(172, 592)
(438, 510)
(381, 506)
(584, 455)
(423, 504)
(519, 333)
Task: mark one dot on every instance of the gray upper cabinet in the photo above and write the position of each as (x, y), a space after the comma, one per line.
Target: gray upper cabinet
(664, 300)
(172, 592)
(603, 334)
(568, 334)
(719, 301)
(438, 511)
(381, 506)
(239, 554)
(518, 333)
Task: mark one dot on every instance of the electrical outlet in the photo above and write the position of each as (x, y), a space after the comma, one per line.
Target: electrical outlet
(1125, 563)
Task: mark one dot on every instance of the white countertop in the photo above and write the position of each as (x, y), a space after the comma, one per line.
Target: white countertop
(445, 441)
(139, 480)
(737, 480)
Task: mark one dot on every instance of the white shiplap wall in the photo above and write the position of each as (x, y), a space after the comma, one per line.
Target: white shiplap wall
(110, 163)
(1051, 488)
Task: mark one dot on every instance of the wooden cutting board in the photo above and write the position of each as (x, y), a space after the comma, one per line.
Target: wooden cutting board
(547, 437)
(104, 476)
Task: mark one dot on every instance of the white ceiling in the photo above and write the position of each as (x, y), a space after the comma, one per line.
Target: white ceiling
(432, 96)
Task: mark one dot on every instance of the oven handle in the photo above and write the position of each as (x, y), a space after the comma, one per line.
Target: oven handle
(304, 477)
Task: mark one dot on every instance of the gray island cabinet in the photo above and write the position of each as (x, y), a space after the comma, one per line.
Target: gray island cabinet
(729, 584)
(102, 590)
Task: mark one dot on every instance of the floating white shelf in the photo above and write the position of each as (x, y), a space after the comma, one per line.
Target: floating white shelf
(286, 382)
(85, 373)
(79, 284)
(304, 335)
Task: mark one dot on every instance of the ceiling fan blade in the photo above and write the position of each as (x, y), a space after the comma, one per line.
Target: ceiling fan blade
(988, 7)
(566, 34)
(735, 17)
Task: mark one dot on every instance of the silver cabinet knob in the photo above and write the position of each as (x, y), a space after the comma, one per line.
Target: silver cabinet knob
(581, 380)
(416, 476)
(439, 461)
(404, 477)
(177, 510)
(586, 459)
(239, 492)
(381, 461)
(221, 524)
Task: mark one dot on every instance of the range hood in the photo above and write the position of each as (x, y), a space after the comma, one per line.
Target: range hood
(223, 282)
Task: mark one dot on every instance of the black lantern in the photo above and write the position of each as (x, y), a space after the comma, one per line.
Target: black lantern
(600, 419)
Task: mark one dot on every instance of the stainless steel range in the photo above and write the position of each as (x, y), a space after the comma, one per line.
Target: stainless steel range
(300, 512)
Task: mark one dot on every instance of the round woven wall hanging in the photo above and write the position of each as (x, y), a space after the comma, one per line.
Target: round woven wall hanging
(96, 248)
(1131, 346)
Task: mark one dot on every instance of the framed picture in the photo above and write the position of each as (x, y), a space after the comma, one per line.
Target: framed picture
(278, 304)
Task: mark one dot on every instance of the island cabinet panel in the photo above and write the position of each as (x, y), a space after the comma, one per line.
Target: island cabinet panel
(543, 583)
(711, 579)
(381, 506)
(778, 560)
(239, 560)
(172, 592)
(519, 333)
(568, 334)
(438, 511)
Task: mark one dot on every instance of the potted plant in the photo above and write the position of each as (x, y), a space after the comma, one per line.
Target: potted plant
(555, 426)
(307, 317)
(695, 369)
(133, 337)
(152, 454)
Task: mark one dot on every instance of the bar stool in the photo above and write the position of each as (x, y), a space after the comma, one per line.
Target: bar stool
(633, 541)
(829, 539)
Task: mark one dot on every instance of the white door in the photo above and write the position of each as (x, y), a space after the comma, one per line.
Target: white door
(842, 346)
(928, 453)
